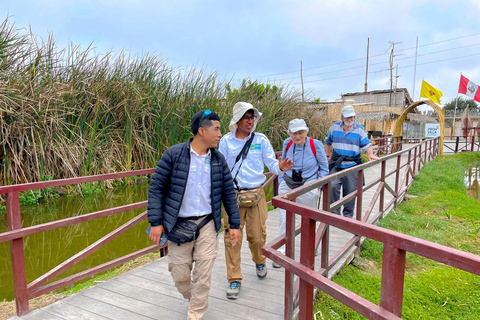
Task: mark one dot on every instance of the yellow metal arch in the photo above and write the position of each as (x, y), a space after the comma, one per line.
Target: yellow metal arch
(438, 111)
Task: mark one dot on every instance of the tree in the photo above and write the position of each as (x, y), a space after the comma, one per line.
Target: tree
(462, 104)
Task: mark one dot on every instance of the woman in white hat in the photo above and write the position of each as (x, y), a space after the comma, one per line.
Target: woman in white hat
(309, 163)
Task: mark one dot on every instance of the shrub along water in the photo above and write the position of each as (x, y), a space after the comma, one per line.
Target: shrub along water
(67, 113)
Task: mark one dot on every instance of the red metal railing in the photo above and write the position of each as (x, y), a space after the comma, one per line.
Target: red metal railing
(396, 245)
(23, 291)
(387, 144)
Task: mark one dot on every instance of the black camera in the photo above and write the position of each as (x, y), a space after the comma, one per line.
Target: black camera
(297, 175)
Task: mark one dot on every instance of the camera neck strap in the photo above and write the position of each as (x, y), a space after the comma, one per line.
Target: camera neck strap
(242, 155)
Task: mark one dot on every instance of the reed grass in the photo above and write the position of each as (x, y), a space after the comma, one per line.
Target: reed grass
(68, 112)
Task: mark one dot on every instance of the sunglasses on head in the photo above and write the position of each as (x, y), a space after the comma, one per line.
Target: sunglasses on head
(205, 113)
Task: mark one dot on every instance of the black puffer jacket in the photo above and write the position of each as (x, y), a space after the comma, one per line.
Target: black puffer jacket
(167, 187)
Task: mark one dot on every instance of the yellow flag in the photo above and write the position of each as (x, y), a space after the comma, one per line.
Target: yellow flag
(430, 92)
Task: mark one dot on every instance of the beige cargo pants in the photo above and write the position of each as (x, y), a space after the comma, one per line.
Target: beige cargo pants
(198, 255)
(254, 218)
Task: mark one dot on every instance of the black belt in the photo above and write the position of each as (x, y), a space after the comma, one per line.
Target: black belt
(195, 217)
(246, 189)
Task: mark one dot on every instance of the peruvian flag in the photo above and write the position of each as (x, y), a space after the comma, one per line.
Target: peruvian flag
(469, 89)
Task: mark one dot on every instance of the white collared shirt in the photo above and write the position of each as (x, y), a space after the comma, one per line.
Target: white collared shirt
(261, 154)
(196, 199)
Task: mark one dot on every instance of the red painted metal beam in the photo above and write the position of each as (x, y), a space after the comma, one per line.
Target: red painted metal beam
(307, 258)
(64, 182)
(393, 273)
(19, 233)
(91, 272)
(348, 298)
(17, 256)
(86, 252)
(459, 259)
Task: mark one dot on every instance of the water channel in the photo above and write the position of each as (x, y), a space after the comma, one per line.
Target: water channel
(472, 176)
(44, 251)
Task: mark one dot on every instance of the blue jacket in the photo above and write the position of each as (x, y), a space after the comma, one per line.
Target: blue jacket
(167, 187)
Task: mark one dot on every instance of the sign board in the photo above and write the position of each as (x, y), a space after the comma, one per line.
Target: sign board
(432, 130)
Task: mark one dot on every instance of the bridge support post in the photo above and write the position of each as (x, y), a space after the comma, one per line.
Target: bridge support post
(307, 258)
(289, 252)
(393, 273)
(14, 221)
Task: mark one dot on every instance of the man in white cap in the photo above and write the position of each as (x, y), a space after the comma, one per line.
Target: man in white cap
(247, 152)
(345, 141)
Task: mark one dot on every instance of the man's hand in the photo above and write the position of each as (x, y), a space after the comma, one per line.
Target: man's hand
(156, 233)
(286, 164)
(234, 236)
(372, 157)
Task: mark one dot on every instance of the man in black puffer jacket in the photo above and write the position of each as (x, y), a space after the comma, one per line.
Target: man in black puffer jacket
(191, 181)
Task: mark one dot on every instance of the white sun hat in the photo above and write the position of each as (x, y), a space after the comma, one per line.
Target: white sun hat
(239, 110)
(297, 125)
(348, 111)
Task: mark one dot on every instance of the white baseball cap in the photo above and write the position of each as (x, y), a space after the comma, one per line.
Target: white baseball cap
(348, 111)
(297, 125)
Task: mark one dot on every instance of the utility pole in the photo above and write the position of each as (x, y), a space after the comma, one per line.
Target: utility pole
(396, 86)
(301, 77)
(366, 72)
(391, 70)
(415, 71)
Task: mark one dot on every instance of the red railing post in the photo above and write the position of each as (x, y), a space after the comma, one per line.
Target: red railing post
(359, 208)
(397, 178)
(326, 234)
(419, 163)
(289, 252)
(17, 256)
(393, 273)
(408, 166)
(414, 161)
(473, 141)
(307, 258)
(457, 141)
(382, 192)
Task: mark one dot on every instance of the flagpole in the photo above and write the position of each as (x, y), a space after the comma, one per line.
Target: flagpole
(455, 110)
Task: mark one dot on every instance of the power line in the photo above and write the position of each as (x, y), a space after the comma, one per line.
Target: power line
(377, 63)
(363, 58)
(383, 70)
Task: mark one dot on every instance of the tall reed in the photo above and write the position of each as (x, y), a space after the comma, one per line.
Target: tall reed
(67, 113)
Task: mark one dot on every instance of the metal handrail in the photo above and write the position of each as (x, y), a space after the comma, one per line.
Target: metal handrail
(395, 244)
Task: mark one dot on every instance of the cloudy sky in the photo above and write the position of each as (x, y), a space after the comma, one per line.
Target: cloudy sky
(266, 39)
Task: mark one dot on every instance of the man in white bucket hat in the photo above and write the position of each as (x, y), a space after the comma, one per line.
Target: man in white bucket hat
(247, 152)
(346, 139)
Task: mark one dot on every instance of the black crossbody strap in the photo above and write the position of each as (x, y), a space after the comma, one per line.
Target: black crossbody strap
(205, 221)
(242, 155)
(246, 147)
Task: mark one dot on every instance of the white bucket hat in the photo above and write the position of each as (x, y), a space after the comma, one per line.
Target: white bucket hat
(297, 125)
(348, 111)
(239, 110)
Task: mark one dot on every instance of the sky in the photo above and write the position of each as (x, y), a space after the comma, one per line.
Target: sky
(266, 40)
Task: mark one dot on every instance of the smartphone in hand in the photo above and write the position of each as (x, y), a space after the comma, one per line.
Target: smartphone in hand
(163, 238)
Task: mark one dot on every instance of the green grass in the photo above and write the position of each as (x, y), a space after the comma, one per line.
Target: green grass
(443, 214)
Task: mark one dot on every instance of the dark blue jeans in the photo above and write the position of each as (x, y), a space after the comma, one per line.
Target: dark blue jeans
(349, 184)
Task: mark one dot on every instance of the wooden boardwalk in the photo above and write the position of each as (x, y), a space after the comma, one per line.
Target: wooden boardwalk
(148, 291)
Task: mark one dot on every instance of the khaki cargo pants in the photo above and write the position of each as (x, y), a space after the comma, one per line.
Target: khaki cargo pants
(182, 258)
(254, 218)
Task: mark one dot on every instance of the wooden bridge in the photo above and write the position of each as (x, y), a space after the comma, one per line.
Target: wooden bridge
(148, 292)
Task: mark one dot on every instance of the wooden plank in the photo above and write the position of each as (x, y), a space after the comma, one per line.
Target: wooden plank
(104, 309)
(64, 310)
